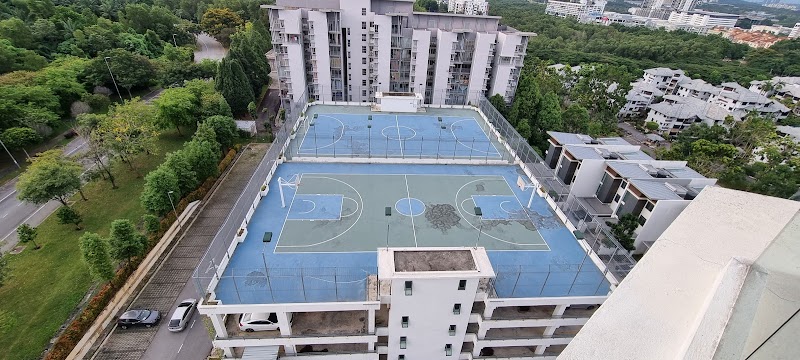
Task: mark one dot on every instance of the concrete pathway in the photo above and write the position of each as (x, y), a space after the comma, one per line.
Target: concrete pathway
(208, 48)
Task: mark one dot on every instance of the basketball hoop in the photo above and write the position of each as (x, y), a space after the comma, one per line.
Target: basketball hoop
(292, 182)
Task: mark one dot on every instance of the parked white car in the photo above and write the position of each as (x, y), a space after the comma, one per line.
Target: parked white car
(182, 314)
(250, 322)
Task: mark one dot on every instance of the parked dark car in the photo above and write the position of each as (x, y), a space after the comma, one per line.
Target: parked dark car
(143, 317)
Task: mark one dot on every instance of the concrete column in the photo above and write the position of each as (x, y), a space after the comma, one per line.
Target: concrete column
(284, 324)
(476, 351)
(540, 349)
(488, 311)
(548, 331)
(228, 352)
(482, 331)
(219, 325)
(371, 321)
(559, 310)
(290, 349)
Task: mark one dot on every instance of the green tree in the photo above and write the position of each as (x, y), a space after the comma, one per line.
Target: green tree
(524, 129)
(499, 103)
(15, 30)
(151, 223)
(526, 100)
(19, 137)
(176, 107)
(130, 70)
(86, 125)
(51, 176)
(13, 58)
(180, 166)
(68, 215)
(124, 241)
(158, 184)
(576, 119)
(95, 254)
(128, 131)
(245, 50)
(26, 234)
(35, 107)
(623, 230)
(202, 157)
(4, 269)
(651, 126)
(213, 104)
(548, 119)
(224, 128)
(62, 77)
(220, 23)
(233, 84)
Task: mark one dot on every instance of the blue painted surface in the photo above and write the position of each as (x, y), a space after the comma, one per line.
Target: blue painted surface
(396, 136)
(341, 276)
(410, 207)
(316, 207)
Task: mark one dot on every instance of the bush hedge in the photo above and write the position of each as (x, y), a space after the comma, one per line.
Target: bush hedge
(78, 327)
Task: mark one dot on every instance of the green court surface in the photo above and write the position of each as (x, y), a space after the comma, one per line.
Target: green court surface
(346, 213)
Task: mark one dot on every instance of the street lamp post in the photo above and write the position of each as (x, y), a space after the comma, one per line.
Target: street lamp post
(173, 41)
(9, 154)
(112, 77)
(169, 194)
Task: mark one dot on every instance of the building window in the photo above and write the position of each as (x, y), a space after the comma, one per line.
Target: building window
(408, 283)
(649, 206)
(457, 309)
(364, 25)
(348, 43)
(364, 72)
(364, 61)
(363, 82)
(363, 37)
(403, 342)
(616, 198)
(452, 330)
(462, 284)
(624, 184)
(401, 357)
(448, 350)
(363, 49)
(364, 93)
(404, 321)
(363, 11)
(642, 220)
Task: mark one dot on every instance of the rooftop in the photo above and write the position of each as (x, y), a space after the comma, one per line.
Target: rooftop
(699, 85)
(654, 171)
(432, 260)
(678, 298)
(593, 152)
(742, 93)
(662, 71)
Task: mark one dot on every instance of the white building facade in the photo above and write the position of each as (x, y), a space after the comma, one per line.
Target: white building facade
(468, 7)
(795, 33)
(350, 50)
(584, 10)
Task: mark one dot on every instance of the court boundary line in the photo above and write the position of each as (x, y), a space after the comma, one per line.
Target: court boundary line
(500, 206)
(315, 205)
(492, 176)
(471, 148)
(316, 148)
(413, 227)
(489, 235)
(361, 200)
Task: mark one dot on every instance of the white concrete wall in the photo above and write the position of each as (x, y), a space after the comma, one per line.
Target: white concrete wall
(504, 47)
(420, 64)
(480, 63)
(663, 214)
(588, 178)
(292, 20)
(384, 50)
(444, 48)
(322, 53)
(351, 19)
(430, 312)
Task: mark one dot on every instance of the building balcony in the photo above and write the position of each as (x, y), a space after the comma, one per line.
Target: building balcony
(308, 325)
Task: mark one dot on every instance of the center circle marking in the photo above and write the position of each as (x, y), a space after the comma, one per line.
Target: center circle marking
(410, 206)
(402, 133)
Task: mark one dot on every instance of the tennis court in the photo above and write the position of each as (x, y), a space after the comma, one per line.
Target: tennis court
(347, 213)
(396, 135)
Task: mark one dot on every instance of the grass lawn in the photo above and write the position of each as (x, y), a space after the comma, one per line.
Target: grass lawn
(47, 284)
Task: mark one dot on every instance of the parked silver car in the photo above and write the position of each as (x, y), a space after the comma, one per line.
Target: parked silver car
(182, 314)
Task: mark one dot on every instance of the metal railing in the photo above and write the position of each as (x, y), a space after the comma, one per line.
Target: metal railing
(521, 281)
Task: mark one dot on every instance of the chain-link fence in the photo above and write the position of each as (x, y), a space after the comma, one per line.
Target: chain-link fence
(296, 285)
(515, 281)
(220, 251)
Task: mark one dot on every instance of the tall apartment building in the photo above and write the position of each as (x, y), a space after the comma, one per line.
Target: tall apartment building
(662, 8)
(795, 33)
(703, 19)
(350, 50)
(468, 7)
(584, 10)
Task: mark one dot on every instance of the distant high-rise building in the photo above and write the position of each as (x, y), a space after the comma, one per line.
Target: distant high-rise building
(662, 8)
(351, 50)
(580, 9)
(468, 7)
(795, 31)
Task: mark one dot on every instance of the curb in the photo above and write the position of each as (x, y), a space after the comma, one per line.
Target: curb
(107, 315)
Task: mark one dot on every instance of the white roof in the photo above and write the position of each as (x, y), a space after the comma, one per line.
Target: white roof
(669, 301)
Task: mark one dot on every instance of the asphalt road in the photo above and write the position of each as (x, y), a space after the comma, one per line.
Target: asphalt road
(209, 48)
(192, 343)
(14, 212)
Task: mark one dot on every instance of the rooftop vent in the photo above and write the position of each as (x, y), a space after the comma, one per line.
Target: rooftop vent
(649, 168)
(603, 152)
(616, 155)
(677, 189)
(585, 138)
(691, 194)
(663, 173)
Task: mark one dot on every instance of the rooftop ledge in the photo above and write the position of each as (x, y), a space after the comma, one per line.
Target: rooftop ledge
(423, 261)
